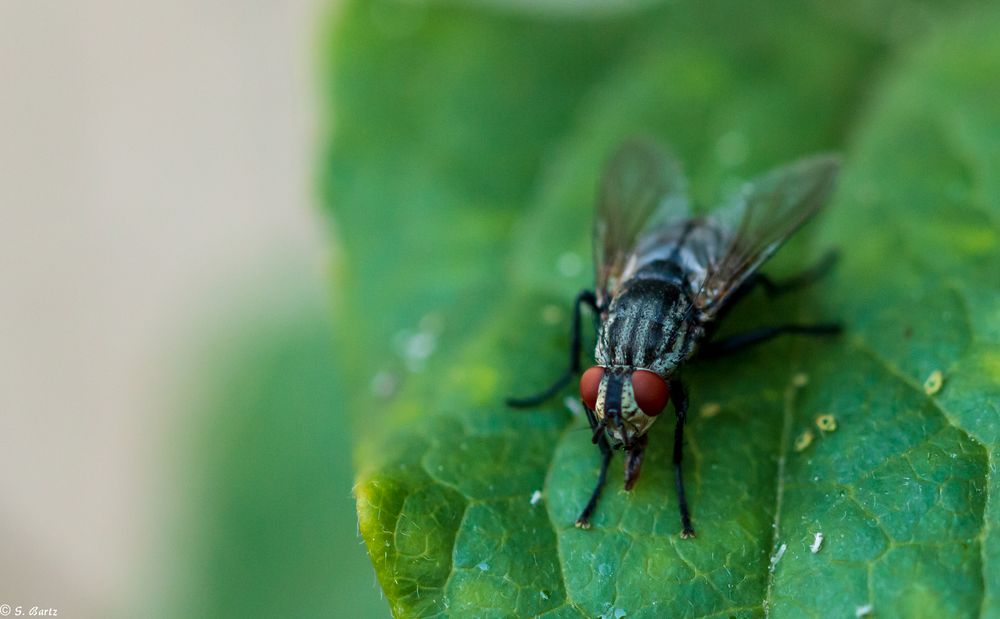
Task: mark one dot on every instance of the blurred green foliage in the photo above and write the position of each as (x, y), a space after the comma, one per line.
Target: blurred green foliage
(467, 143)
(271, 529)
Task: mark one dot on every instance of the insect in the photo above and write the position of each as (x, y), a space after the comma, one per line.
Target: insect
(664, 278)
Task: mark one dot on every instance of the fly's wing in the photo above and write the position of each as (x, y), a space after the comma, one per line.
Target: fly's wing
(765, 213)
(642, 187)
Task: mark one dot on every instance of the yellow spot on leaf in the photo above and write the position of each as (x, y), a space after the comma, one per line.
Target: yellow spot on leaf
(826, 423)
(933, 383)
(710, 409)
(800, 380)
(804, 440)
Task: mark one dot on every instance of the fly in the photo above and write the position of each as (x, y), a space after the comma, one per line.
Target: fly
(664, 278)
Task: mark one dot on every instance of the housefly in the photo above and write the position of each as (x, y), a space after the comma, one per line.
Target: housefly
(664, 277)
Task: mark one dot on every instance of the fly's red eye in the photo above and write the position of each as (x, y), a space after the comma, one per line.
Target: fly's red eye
(651, 392)
(590, 385)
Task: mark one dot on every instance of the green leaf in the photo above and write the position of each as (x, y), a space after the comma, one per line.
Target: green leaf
(465, 154)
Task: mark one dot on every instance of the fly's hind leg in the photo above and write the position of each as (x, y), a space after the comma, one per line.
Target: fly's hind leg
(776, 288)
(679, 397)
(725, 346)
(587, 298)
(602, 442)
(729, 345)
(803, 278)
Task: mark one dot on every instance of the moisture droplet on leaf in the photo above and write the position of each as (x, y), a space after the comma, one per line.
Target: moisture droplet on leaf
(536, 496)
(569, 264)
(777, 556)
(933, 383)
(803, 440)
(826, 423)
(420, 346)
(612, 612)
(484, 566)
(817, 543)
(574, 406)
(863, 611)
(384, 384)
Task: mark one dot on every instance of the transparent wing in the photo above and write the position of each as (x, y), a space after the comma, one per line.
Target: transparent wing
(761, 217)
(642, 187)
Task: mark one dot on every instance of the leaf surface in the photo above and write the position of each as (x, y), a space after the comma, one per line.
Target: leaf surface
(466, 152)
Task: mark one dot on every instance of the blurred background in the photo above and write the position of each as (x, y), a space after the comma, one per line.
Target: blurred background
(170, 437)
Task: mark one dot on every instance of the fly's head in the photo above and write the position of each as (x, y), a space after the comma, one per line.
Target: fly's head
(625, 400)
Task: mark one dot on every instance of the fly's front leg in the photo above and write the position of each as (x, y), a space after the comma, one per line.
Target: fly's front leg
(585, 297)
(679, 396)
(602, 442)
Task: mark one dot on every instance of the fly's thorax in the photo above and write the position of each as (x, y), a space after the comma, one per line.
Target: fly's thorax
(650, 324)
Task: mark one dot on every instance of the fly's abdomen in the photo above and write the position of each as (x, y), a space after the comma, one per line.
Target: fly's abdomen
(650, 325)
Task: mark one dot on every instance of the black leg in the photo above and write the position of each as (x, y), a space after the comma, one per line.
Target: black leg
(585, 297)
(773, 288)
(584, 520)
(679, 396)
(734, 343)
(804, 278)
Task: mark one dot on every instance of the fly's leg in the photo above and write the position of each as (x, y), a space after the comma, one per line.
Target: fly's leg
(679, 396)
(585, 297)
(773, 288)
(584, 520)
(633, 461)
(804, 278)
(740, 341)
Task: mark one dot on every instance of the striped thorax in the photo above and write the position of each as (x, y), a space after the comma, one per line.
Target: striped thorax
(649, 326)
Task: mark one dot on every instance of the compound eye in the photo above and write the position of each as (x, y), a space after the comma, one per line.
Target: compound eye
(651, 392)
(590, 385)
